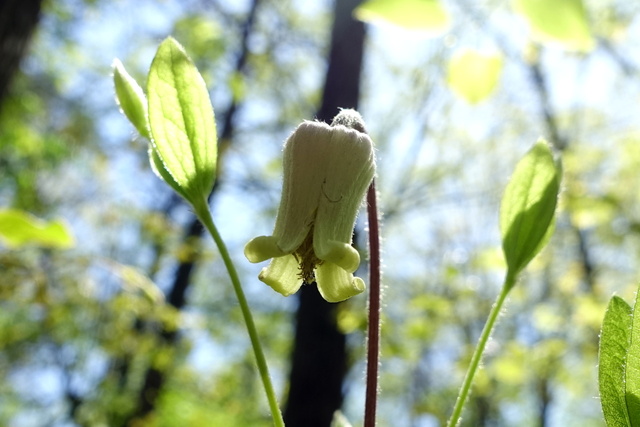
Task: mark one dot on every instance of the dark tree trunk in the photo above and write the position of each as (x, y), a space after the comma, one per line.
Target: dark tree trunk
(319, 358)
(18, 20)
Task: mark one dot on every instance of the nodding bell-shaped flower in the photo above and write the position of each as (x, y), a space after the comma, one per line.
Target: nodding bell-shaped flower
(327, 170)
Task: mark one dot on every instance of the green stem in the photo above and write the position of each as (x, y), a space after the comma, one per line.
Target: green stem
(477, 354)
(205, 217)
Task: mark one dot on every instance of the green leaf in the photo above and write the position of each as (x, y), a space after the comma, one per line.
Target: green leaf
(474, 75)
(632, 368)
(615, 339)
(563, 22)
(424, 15)
(131, 99)
(18, 229)
(182, 121)
(133, 104)
(161, 171)
(528, 207)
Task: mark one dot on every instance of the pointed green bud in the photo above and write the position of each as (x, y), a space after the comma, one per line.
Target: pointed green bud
(327, 170)
(528, 207)
(131, 99)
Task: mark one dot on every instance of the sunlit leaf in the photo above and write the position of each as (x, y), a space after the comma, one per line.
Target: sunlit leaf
(18, 228)
(133, 103)
(131, 99)
(424, 15)
(528, 207)
(615, 339)
(563, 22)
(474, 75)
(161, 171)
(632, 367)
(182, 122)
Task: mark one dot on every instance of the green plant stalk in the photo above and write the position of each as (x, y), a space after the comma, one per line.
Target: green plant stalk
(478, 352)
(204, 215)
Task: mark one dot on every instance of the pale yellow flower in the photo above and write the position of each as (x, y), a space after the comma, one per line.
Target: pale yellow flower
(327, 170)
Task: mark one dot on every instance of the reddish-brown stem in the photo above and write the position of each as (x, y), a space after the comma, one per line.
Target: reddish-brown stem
(373, 339)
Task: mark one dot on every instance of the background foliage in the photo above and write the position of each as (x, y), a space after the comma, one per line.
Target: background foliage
(80, 328)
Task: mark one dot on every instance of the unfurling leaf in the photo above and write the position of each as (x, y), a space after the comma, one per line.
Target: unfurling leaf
(528, 207)
(131, 99)
(182, 122)
(133, 103)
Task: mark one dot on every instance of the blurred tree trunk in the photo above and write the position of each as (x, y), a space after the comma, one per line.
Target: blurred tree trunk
(319, 357)
(544, 400)
(18, 20)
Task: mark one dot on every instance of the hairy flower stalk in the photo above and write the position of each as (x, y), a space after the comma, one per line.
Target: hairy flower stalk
(327, 170)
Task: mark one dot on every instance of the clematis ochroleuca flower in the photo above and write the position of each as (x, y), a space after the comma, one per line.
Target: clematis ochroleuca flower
(327, 170)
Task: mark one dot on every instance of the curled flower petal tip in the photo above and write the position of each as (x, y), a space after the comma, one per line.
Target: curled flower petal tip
(262, 248)
(327, 170)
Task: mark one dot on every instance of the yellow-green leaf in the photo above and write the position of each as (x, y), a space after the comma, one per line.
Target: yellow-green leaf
(133, 103)
(424, 15)
(474, 75)
(528, 207)
(19, 228)
(182, 121)
(632, 365)
(562, 22)
(131, 99)
(615, 339)
(161, 171)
